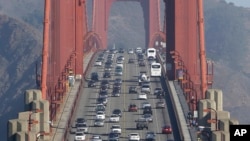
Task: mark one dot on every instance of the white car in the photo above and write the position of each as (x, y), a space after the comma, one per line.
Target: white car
(130, 51)
(116, 129)
(142, 96)
(98, 63)
(138, 50)
(80, 136)
(100, 115)
(146, 104)
(96, 138)
(114, 118)
(134, 137)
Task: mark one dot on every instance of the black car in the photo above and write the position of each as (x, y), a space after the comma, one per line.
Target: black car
(94, 76)
(132, 89)
(147, 110)
(105, 83)
(118, 80)
(117, 86)
(116, 92)
(121, 50)
(130, 60)
(102, 100)
(107, 74)
(80, 120)
(141, 63)
(117, 112)
(91, 83)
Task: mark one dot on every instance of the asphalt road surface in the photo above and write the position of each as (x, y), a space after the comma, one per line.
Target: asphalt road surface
(87, 103)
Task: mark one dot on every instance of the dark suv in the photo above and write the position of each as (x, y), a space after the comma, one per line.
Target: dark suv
(141, 124)
(94, 76)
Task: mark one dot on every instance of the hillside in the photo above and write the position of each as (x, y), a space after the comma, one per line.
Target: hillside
(20, 46)
(227, 44)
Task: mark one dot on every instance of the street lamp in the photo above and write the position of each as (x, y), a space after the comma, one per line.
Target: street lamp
(213, 120)
(41, 133)
(31, 121)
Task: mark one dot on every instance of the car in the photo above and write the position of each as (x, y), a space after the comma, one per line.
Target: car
(147, 110)
(140, 57)
(91, 83)
(148, 117)
(134, 137)
(96, 138)
(146, 88)
(157, 90)
(119, 61)
(104, 88)
(138, 50)
(160, 104)
(141, 63)
(117, 86)
(121, 57)
(145, 104)
(116, 129)
(117, 112)
(142, 96)
(98, 63)
(100, 115)
(141, 123)
(100, 107)
(132, 89)
(160, 95)
(116, 92)
(113, 136)
(83, 127)
(118, 80)
(166, 129)
(80, 136)
(151, 60)
(102, 100)
(132, 108)
(150, 136)
(103, 94)
(130, 60)
(107, 74)
(121, 50)
(114, 118)
(80, 120)
(130, 51)
(105, 83)
(99, 122)
(94, 76)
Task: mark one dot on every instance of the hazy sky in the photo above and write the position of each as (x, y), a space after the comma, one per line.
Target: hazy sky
(243, 3)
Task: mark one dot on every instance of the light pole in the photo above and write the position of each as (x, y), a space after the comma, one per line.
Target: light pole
(31, 121)
(212, 120)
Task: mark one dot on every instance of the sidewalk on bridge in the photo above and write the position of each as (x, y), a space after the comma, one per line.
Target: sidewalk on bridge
(192, 129)
(59, 126)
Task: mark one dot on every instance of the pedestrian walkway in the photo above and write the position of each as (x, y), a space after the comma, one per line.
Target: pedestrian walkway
(191, 127)
(60, 126)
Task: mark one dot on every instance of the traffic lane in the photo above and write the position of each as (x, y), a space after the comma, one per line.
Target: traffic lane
(85, 105)
(157, 121)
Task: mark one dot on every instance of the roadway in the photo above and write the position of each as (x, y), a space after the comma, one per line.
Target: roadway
(87, 103)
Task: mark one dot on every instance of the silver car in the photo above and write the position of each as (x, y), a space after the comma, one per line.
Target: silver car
(99, 122)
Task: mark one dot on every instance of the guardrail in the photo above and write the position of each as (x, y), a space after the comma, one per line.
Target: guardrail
(179, 123)
(79, 91)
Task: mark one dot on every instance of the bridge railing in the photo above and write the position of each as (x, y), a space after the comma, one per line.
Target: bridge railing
(179, 122)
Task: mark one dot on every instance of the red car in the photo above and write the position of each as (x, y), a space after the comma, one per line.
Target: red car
(166, 129)
(132, 108)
